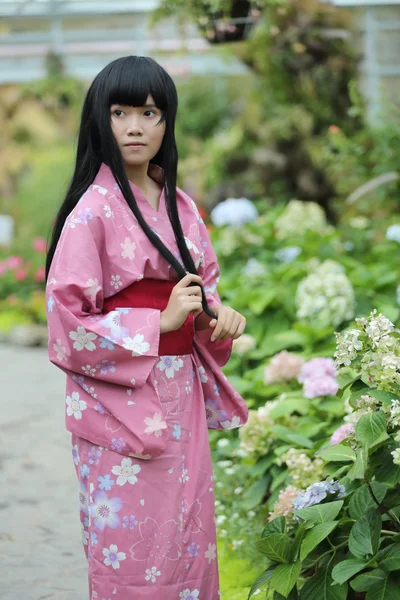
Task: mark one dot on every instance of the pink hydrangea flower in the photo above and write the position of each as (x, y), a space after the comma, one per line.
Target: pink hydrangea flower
(320, 386)
(316, 368)
(39, 244)
(14, 262)
(21, 274)
(342, 433)
(40, 274)
(284, 366)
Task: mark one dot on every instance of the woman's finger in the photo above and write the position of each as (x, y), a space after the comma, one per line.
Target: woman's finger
(230, 326)
(240, 329)
(220, 324)
(233, 327)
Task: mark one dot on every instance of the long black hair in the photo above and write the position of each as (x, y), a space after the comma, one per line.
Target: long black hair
(127, 81)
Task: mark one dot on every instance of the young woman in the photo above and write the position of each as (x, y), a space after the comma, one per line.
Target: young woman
(136, 323)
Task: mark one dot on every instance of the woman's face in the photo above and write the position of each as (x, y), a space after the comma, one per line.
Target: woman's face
(136, 131)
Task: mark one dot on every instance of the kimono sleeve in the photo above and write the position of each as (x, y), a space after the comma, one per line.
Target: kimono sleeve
(220, 350)
(119, 347)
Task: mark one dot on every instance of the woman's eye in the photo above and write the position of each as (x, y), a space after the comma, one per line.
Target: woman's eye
(149, 111)
(116, 111)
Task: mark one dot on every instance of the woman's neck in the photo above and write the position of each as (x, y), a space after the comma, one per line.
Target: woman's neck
(137, 174)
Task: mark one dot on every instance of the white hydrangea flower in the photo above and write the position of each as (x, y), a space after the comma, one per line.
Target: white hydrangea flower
(234, 212)
(300, 217)
(393, 233)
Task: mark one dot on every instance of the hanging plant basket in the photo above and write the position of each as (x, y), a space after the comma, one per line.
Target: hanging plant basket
(235, 26)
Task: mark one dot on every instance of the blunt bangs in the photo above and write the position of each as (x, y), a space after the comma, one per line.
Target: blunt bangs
(132, 79)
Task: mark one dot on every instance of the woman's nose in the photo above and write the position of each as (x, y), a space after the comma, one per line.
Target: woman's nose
(135, 127)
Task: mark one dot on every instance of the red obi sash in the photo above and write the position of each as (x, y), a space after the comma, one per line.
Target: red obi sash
(155, 293)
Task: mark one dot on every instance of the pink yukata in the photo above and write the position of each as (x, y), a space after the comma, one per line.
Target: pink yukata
(139, 421)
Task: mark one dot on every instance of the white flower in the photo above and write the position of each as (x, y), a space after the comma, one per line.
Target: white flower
(288, 254)
(396, 456)
(112, 556)
(93, 288)
(189, 594)
(126, 472)
(234, 212)
(152, 574)
(75, 406)
(136, 344)
(85, 535)
(231, 424)
(253, 268)
(203, 376)
(155, 425)
(60, 349)
(128, 248)
(83, 339)
(116, 281)
(298, 218)
(170, 365)
(210, 553)
(223, 443)
(89, 371)
(393, 233)
(244, 344)
(109, 212)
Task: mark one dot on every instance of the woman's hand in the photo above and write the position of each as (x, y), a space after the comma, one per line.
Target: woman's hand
(230, 323)
(182, 301)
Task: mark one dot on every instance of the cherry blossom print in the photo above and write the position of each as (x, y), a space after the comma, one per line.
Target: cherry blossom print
(60, 349)
(170, 364)
(108, 212)
(191, 512)
(137, 345)
(106, 366)
(92, 289)
(116, 282)
(100, 409)
(189, 595)
(84, 216)
(84, 535)
(152, 574)
(117, 443)
(94, 454)
(112, 321)
(100, 189)
(89, 371)
(50, 304)
(210, 553)
(231, 424)
(184, 475)
(130, 522)
(75, 405)
(157, 541)
(214, 414)
(126, 472)
(155, 424)
(193, 550)
(83, 498)
(113, 557)
(104, 511)
(75, 454)
(202, 373)
(128, 248)
(83, 339)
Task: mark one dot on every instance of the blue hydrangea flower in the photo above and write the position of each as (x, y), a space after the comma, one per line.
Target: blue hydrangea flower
(105, 483)
(288, 254)
(317, 492)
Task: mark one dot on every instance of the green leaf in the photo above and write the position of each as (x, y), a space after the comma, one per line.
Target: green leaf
(363, 582)
(361, 500)
(301, 530)
(337, 453)
(260, 581)
(275, 526)
(285, 577)
(365, 534)
(357, 471)
(370, 427)
(387, 472)
(287, 435)
(319, 587)
(392, 559)
(384, 590)
(256, 492)
(276, 547)
(347, 568)
(320, 513)
(315, 537)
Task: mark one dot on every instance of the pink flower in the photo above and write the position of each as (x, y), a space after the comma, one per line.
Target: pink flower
(40, 274)
(320, 386)
(284, 366)
(334, 129)
(39, 245)
(342, 433)
(21, 274)
(316, 368)
(3, 267)
(14, 262)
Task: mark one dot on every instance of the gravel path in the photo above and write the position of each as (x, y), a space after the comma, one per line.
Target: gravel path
(41, 556)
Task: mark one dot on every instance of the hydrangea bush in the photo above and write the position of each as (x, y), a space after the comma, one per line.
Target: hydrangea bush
(340, 537)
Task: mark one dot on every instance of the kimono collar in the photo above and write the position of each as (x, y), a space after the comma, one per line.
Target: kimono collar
(105, 178)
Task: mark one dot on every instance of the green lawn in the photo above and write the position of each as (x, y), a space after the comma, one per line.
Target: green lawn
(235, 574)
